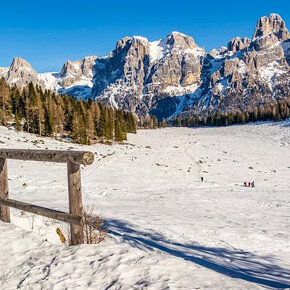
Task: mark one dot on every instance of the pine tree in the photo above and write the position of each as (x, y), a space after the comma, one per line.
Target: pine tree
(89, 127)
(118, 132)
(4, 102)
(48, 122)
(17, 123)
(102, 124)
(109, 123)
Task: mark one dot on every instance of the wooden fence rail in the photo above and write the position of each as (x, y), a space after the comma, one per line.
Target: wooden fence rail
(73, 159)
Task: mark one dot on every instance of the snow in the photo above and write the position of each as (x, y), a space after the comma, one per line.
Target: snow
(216, 63)
(185, 99)
(76, 65)
(80, 90)
(180, 90)
(197, 51)
(100, 65)
(140, 38)
(14, 80)
(4, 71)
(168, 230)
(50, 80)
(275, 16)
(114, 90)
(269, 72)
(178, 33)
(242, 68)
(157, 50)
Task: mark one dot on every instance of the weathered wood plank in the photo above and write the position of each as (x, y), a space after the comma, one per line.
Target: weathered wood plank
(47, 212)
(75, 200)
(59, 156)
(4, 192)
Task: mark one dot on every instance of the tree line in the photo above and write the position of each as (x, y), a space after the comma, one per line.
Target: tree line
(45, 113)
(271, 112)
(151, 122)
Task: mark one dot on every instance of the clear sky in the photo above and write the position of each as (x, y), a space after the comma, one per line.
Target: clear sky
(47, 33)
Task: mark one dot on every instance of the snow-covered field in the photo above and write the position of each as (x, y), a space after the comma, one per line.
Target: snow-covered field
(168, 230)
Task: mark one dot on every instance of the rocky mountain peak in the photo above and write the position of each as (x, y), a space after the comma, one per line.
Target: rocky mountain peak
(87, 65)
(140, 39)
(177, 39)
(69, 67)
(238, 44)
(269, 30)
(77, 71)
(121, 43)
(20, 62)
(20, 73)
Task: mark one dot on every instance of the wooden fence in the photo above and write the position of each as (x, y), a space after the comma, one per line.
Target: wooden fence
(73, 159)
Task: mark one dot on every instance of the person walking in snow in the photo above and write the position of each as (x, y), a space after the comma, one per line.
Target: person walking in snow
(245, 184)
(249, 184)
(253, 184)
(201, 179)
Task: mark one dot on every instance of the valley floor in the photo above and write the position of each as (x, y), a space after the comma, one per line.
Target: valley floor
(167, 229)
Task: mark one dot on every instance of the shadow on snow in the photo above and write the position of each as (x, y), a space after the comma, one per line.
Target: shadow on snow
(230, 262)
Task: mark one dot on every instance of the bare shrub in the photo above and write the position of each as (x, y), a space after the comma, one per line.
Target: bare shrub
(94, 228)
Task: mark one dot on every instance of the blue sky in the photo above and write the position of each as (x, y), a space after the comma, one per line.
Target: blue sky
(47, 33)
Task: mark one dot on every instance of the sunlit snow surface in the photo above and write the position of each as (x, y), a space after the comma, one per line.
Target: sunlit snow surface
(167, 229)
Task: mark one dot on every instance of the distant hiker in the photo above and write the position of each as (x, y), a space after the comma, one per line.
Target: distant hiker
(245, 184)
(253, 184)
(249, 184)
(201, 179)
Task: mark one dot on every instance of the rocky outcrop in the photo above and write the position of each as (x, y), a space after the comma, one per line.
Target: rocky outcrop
(20, 73)
(77, 71)
(269, 30)
(239, 44)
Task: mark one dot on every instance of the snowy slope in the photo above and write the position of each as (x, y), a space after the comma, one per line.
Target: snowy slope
(167, 229)
(157, 49)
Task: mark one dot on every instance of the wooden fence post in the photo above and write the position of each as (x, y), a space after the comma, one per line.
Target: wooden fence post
(75, 200)
(4, 192)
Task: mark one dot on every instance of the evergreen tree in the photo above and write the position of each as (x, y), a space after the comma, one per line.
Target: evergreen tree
(17, 124)
(118, 132)
(48, 122)
(102, 124)
(4, 102)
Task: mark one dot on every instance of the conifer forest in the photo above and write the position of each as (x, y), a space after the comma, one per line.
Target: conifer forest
(45, 113)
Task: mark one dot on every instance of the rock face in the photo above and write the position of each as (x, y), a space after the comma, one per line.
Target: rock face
(139, 73)
(239, 44)
(249, 73)
(77, 71)
(269, 30)
(20, 73)
(174, 75)
(75, 78)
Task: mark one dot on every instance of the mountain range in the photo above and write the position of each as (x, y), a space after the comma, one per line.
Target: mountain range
(174, 76)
